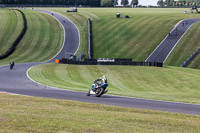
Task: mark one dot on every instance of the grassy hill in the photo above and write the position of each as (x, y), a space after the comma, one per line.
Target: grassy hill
(44, 35)
(170, 84)
(187, 45)
(134, 38)
(10, 28)
(81, 22)
(43, 39)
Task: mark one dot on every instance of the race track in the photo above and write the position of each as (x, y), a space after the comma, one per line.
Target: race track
(161, 53)
(16, 81)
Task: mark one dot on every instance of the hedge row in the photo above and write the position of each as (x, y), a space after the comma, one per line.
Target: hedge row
(90, 42)
(16, 42)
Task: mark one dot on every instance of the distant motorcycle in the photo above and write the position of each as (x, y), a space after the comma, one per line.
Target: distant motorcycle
(98, 89)
(12, 64)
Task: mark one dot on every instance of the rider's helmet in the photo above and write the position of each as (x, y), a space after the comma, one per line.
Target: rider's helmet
(12, 62)
(103, 77)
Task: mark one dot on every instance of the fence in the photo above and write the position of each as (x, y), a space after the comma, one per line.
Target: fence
(90, 41)
(16, 42)
(190, 58)
(115, 62)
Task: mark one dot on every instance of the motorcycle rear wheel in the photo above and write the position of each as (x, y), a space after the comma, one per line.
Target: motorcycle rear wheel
(11, 67)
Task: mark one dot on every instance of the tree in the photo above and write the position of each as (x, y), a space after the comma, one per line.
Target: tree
(115, 2)
(167, 2)
(171, 2)
(124, 2)
(160, 3)
(107, 3)
(134, 2)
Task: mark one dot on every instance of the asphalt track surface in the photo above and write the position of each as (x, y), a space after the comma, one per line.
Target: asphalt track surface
(161, 53)
(16, 81)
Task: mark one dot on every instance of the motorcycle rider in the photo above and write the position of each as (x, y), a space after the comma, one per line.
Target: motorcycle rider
(103, 80)
(12, 64)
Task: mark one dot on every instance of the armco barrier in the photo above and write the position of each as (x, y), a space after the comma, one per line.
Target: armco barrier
(190, 58)
(117, 62)
(90, 41)
(16, 42)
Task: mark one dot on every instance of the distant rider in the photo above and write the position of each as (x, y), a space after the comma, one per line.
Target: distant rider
(103, 80)
(12, 64)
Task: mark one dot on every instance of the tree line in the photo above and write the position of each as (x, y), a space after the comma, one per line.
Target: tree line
(95, 3)
(111, 3)
(163, 3)
(180, 3)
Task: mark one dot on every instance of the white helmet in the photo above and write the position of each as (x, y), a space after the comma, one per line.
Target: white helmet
(103, 76)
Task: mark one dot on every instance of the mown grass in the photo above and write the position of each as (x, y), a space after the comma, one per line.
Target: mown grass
(169, 84)
(10, 28)
(134, 38)
(28, 114)
(81, 22)
(195, 63)
(185, 48)
(43, 39)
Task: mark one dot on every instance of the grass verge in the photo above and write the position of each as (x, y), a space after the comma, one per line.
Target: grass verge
(169, 84)
(185, 48)
(43, 39)
(81, 22)
(10, 28)
(134, 38)
(29, 114)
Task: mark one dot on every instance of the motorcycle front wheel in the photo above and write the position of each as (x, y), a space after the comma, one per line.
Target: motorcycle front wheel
(99, 92)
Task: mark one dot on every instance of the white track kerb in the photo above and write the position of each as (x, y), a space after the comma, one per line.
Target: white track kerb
(166, 38)
(29, 87)
(177, 42)
(64, 33)
(59, 50)
(43, 84)
(63, 40)
(78, 32)
(109, 95)
(63, 27)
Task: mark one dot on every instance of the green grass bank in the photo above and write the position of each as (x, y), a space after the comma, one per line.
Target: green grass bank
(135, 37)
(28, 114)
(132, 38)
(10, 28)
(185, 48)
(42, 41)
(81, 22)
(169, 83)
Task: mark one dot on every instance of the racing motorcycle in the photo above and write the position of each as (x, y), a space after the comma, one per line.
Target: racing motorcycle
(12, 64)
(98, 89)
